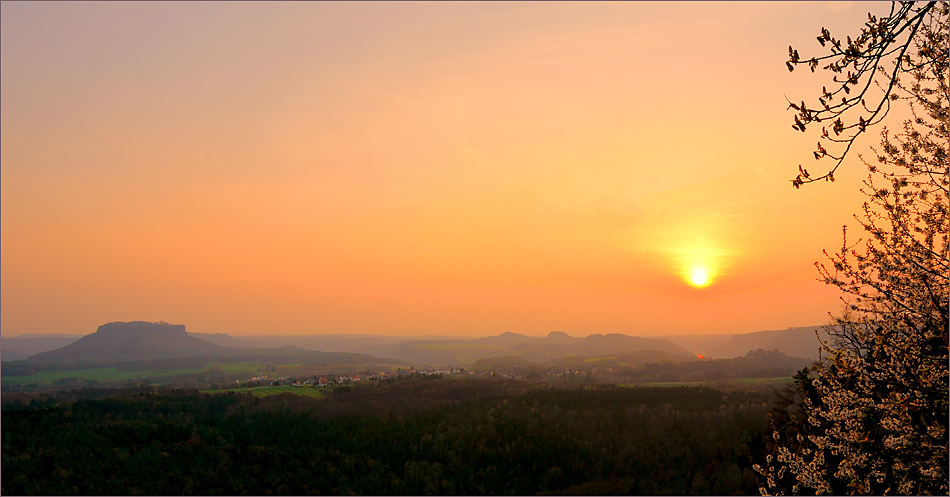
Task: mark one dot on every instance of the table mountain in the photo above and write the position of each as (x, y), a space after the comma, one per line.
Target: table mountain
(132, 341)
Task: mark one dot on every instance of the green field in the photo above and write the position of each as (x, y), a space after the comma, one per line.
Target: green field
(265, 391)
(111, 374)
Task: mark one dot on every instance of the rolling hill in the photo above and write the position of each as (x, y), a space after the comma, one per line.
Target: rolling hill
(535, 349)
(11, 355)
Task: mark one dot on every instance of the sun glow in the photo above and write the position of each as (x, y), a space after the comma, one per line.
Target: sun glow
(699, 277)
(699, 260)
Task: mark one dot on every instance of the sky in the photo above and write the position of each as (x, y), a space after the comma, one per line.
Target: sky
(415, 168)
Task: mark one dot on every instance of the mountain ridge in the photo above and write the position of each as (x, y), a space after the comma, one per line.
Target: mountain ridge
(433, 350)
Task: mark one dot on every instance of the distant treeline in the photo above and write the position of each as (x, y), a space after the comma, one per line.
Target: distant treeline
(410, 437)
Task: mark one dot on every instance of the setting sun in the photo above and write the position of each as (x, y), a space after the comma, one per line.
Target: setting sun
(695, 254)
(699, 277)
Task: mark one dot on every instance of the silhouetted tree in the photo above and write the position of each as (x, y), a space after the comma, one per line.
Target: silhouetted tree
(868, 71)
(876, 405)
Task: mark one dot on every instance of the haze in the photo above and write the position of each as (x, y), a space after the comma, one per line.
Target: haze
(414, 168)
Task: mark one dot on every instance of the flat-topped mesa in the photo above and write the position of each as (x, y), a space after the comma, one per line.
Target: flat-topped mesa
(134, 340)
(141, 327)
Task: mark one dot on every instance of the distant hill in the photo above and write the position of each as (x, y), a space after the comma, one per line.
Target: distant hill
(637, 359)
(376, 345)
(444, 350)
(560, 337)
(534, 349)
(797, 342)
(133, 341)
(223, 339)
(144, 346)
(507, 339)
(562, 345)
(615, 343)
(23, 346)
(141, 340)
(11, 355)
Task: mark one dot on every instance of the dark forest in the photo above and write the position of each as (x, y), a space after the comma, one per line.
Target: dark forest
(401, 437)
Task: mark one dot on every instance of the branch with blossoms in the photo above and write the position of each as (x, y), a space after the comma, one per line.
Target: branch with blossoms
(874, 60)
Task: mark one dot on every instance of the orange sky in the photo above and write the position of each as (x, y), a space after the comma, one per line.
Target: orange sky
(420, 168)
